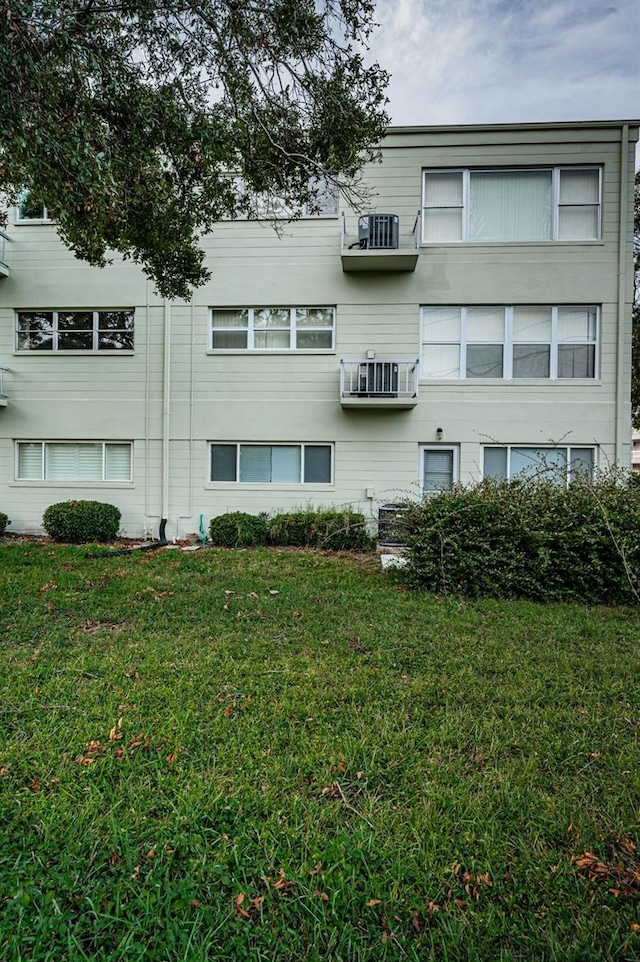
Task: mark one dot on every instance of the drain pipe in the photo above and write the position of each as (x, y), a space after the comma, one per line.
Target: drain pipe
(623, 406)
(166, 409)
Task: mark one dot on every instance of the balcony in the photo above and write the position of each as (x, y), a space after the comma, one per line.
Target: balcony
(3, 397)
(4, 267)
(379, 385)
(376, 243)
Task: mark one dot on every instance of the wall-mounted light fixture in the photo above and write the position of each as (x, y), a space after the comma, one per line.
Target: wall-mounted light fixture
(439, 434)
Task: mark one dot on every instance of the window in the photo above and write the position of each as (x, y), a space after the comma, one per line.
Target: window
(509, 342)
(272, 463)
(74, 330)
(272, 329)
(438, 468)
(482, 206)
(271, 207)
(30, 209)
(73, 461)
(557, 463)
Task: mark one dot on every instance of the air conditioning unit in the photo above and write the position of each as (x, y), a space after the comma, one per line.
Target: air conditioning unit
(390, 525)
(378, 231)
(378, 379)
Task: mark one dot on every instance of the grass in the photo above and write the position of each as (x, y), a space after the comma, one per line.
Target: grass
(253, 755)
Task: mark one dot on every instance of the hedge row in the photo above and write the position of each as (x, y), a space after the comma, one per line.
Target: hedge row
(322, 528)
(528, 539)
(4, 521)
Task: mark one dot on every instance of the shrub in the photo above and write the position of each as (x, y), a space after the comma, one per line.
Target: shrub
(322, 528)
(238, 530)
(80, 521)
(4, 521)
(529, 539)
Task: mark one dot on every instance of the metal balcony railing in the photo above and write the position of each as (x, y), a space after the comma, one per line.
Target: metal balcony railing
(377, 242)
(379, 383)
(4, 267)
(3, 399)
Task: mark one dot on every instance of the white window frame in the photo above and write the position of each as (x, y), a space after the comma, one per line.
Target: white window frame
(508, 344)
(79, 481)
(270, 207)
(96, 330)
(293, 330)
(277, 444)
(555, 172)
(454, 448)
(539, 447)
(45, 219)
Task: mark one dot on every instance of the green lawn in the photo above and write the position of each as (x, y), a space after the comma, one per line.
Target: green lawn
(254, 755)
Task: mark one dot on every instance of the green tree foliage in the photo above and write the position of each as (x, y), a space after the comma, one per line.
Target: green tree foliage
(123, 117)
(635, 370)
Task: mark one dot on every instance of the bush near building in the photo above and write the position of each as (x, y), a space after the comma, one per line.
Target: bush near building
(529, 538)
(237, 529)
(77, 522)
(331, 528)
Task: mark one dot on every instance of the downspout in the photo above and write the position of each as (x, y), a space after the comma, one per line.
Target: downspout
(189, 514)
(147, 401)
(166, 408)
(623, 404)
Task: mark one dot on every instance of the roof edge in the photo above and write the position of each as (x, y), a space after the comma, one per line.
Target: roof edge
(538, 125)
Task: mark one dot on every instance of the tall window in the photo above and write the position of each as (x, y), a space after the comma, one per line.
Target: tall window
(509, 342)
(272, 329)
(73, 461)
(511, 206)
(74, 330)
(559, 464)
(271, 463)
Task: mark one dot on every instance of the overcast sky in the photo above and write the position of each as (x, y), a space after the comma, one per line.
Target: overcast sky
(509, 61)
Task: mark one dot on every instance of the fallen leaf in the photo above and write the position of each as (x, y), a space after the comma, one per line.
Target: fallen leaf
(283, 884)
(239, 899)
(372, 903)
(171, 757)
(115, 734)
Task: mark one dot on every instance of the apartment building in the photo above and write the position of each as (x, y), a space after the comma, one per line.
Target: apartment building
(475, 321)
